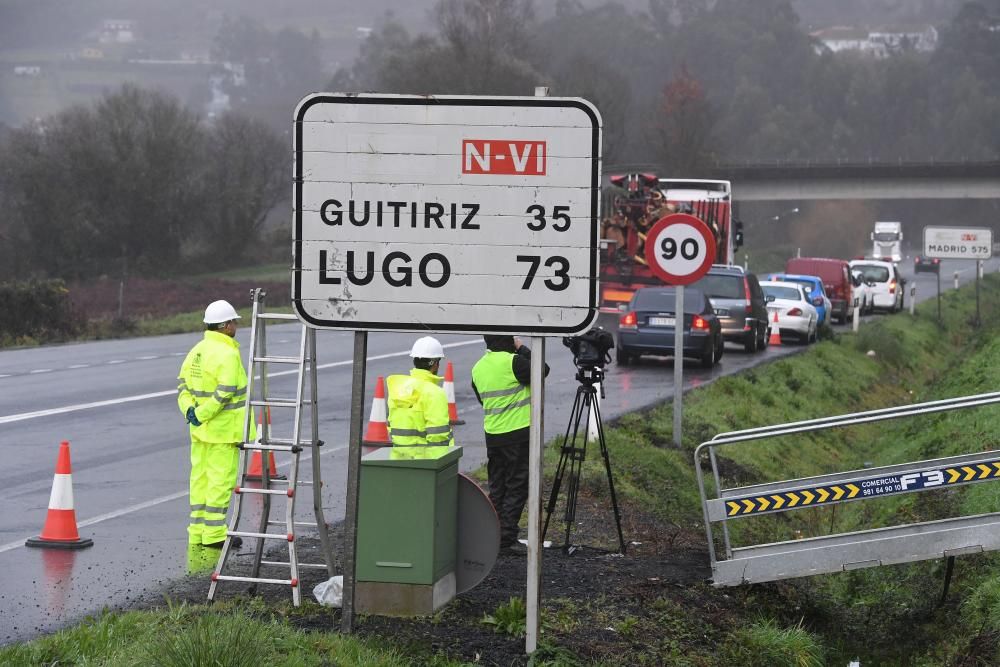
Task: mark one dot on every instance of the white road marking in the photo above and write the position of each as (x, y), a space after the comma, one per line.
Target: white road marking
(173, 392)
(148, 357)
(79, 366)
(40, 370)
(116, 361)
(6, 375)
(138, 507)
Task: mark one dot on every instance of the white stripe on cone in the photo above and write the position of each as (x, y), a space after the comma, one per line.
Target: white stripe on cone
(449, 390)
(62, 492)
(378, 413)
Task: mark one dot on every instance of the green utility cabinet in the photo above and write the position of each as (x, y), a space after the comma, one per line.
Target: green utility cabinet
(406, 532)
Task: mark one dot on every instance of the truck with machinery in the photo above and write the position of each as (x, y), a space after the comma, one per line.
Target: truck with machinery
(887, 242)
(634, 202)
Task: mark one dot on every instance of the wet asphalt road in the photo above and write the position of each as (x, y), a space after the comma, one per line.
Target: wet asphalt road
(115, 402)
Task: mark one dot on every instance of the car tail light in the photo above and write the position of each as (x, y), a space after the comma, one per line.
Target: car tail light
(699, 322)
(892, 287)
(746, 293)
(628, 321)
(936, 261)
(794, 312)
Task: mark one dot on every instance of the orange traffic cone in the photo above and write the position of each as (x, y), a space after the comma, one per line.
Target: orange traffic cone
(377, 433)
(449, 389)
(60, 525)
(256, 471)
(775, 338)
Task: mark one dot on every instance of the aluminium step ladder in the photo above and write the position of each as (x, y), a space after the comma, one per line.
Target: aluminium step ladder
(269, 486)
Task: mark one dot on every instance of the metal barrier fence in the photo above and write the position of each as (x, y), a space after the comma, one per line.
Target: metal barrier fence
(847, 551)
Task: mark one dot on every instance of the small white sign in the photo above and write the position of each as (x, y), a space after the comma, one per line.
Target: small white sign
(958, 242)
(419, 213)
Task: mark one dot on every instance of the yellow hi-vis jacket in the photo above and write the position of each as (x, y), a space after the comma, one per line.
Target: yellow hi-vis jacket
(419, 425)
(212, 379)
(506, 402)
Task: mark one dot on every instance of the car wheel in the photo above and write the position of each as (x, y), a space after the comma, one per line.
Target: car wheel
(764, 335)
(719, 349)
(708, 357)
(750, 344)
(622, 357)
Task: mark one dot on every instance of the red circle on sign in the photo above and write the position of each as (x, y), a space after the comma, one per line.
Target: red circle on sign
(686, 272)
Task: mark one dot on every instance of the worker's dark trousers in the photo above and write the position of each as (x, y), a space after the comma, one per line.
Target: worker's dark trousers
(507, 466)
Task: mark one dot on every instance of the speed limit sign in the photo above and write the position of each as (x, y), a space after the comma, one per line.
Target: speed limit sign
(680, 249)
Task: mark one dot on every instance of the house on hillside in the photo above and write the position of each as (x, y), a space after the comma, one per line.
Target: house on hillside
(876, 43)
(117, 31)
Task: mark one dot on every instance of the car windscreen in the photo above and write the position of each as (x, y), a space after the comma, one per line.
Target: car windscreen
(778, 292)
(664, 298)
(873, 272)
(722, 287)
(886, 237)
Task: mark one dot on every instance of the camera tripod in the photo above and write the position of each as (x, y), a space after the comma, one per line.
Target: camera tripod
(573, 456)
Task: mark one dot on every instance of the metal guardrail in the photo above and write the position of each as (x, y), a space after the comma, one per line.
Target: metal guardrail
(840, 552)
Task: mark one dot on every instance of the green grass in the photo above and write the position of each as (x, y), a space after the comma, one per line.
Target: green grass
(261, 273)
(766, 644)
(195, 636)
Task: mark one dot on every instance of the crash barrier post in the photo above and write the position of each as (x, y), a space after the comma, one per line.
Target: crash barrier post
(846, 551)
(913, 297)
(956, 280)
(856, 320)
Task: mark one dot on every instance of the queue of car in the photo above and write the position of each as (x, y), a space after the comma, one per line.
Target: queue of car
(729, 304)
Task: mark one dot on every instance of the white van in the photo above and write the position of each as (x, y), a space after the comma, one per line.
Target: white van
(887, 283)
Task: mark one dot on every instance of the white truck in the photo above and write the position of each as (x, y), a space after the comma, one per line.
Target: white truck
(887, 241)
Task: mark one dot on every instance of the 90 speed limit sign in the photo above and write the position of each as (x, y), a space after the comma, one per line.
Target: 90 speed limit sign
(680, 249)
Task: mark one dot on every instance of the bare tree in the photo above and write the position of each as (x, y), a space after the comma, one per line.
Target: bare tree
(247, 175)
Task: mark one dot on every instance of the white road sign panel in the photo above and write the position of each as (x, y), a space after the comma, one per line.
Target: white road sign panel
(958, 242)
(420, 213)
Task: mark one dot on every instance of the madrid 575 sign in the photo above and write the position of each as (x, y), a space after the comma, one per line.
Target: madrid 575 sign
(446, 214)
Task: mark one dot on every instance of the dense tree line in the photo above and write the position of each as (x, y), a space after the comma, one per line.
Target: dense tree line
(687, 82)
(135, 182)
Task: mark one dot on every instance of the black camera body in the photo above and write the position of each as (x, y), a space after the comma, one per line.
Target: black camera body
(591, 349)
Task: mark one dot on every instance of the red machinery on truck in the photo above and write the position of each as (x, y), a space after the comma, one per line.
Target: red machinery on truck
(636, 201)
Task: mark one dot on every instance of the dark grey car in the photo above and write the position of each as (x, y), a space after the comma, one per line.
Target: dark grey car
(739, 304)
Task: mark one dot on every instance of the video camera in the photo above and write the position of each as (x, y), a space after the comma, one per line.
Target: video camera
(591, 349)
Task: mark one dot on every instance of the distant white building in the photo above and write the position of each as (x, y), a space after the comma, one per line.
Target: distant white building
(120, 31)
(876, 43)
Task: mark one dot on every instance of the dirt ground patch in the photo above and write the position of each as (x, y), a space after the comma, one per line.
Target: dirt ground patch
(598, 606)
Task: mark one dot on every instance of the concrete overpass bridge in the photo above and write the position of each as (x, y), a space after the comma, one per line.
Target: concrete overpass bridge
(800, 181)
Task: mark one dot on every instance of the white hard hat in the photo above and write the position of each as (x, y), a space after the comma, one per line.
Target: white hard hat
(219, 312)
(427, 348)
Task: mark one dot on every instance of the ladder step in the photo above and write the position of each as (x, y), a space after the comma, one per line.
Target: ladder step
(255, 580)
(276, 403)
(276, 316)
(271, 447)
(307, 524)
(286, 564)
(277, 360)
(289, 441)
(265, 536)
(305, 482)
(271, 492)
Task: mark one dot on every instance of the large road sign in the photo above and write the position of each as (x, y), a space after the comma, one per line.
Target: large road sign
(680, 249)
(427, 213)
(958, 242)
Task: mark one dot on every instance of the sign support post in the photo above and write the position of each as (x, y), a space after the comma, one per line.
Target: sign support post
(678, 362)
(353, 478)
(679, 250)
(533, 591)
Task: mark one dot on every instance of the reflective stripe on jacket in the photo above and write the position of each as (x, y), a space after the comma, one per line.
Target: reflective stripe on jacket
(418, 411)
(213, 380)
(506, 402)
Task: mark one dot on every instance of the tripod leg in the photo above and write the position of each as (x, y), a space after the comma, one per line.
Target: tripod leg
(611, 481)
(564, 459)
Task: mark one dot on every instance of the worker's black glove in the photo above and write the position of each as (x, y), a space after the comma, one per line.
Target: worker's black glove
(192, 417)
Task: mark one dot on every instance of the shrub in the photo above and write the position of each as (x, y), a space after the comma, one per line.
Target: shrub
(38, 310)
